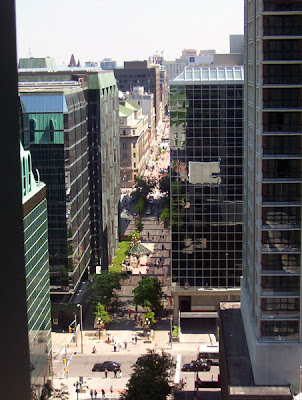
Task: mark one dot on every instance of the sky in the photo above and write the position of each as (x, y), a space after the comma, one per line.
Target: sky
(124, 29)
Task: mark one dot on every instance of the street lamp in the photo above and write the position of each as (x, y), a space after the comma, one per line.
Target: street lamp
(81, 320)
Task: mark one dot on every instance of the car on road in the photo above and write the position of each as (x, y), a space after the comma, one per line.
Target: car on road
(196, 366)
(148, 211)
(109, 365)
(151, 199)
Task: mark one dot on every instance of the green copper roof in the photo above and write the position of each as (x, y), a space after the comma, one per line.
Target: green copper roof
(132, 105)
(101, 80)
(46, 62)
(124, 111)
(138, 250)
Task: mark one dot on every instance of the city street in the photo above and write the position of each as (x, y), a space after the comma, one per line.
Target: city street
(157, 238)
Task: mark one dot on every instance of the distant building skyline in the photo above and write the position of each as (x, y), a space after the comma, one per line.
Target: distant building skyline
(206, 28)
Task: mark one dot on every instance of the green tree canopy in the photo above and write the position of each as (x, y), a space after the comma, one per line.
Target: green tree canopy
(151, 377)
(140, 206)
(164, 184)
(103, 289)
(143, 186)
(139, 225)
(148, 293)
(102, 314)
(165, 216)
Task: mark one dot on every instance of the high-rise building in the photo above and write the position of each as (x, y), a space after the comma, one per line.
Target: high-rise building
(206, 106)
(101, 94)
(37, 274)
(271, 287)
(54, 129)
(141, 73)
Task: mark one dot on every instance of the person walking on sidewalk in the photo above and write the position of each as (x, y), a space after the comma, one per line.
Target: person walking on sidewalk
(111, 389)
(103, 393)
(106, 372)
(91, 393)
(125, 344)
(95, 394)
(115, 372)
(121, 374)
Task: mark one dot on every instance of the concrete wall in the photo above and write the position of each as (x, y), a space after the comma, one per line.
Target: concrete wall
(273, 363)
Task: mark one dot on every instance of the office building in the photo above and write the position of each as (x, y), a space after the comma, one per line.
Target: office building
(141, 73)
(206, 107)
(134, 141)
(101, 94)
(271, 287)
(37, 275)
(146, 101)
(108, 64)
(54, 129)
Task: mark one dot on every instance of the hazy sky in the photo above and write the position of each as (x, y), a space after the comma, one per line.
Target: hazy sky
(124, 30)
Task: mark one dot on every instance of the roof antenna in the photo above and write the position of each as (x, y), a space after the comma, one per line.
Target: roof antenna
(29, 52)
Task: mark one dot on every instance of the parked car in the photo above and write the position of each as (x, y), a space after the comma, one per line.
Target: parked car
(196, 366)
(109, 365)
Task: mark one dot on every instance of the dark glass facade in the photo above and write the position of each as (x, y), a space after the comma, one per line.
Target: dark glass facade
(206, 183)
(55, 132)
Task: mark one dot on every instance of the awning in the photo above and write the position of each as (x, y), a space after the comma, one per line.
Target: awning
(208, 314)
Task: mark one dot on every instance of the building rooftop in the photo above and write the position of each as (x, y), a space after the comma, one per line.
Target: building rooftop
(239, 371)
(210, 75)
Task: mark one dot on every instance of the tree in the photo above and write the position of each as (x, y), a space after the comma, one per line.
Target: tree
(103, 289)
(164, 184)
(142, 186)
(139, 225)
(149, 316)
(151, 377)
(140, 206)
(102, 314)
(148, 293)
(165, 216)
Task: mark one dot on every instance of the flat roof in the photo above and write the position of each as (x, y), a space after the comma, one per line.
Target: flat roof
(239, 371)
(210, 75)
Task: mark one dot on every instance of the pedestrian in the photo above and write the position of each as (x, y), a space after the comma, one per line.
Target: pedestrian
(135, 339)
(159, 237)
(163, 237)
(115, 371)
(103, 393)
(114, 347)
(121, 374)
(186, 381)
(91, 393)
(135, 317)
(148, 235)
(162, 247)
(111, 389)
(162, 266)
(95, 394)
(129, 313)
(125, 344)
(132, 338)
(212, 379)
(106, 372)
(119, 346)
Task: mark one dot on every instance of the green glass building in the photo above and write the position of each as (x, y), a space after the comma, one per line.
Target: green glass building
(37, 274)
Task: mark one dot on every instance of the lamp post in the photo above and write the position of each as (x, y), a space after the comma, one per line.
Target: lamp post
(99, 323)
(81, 321)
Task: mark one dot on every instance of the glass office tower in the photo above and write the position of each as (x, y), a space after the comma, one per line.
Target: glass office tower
(37, 274)
(271, 290)
(206, 177)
